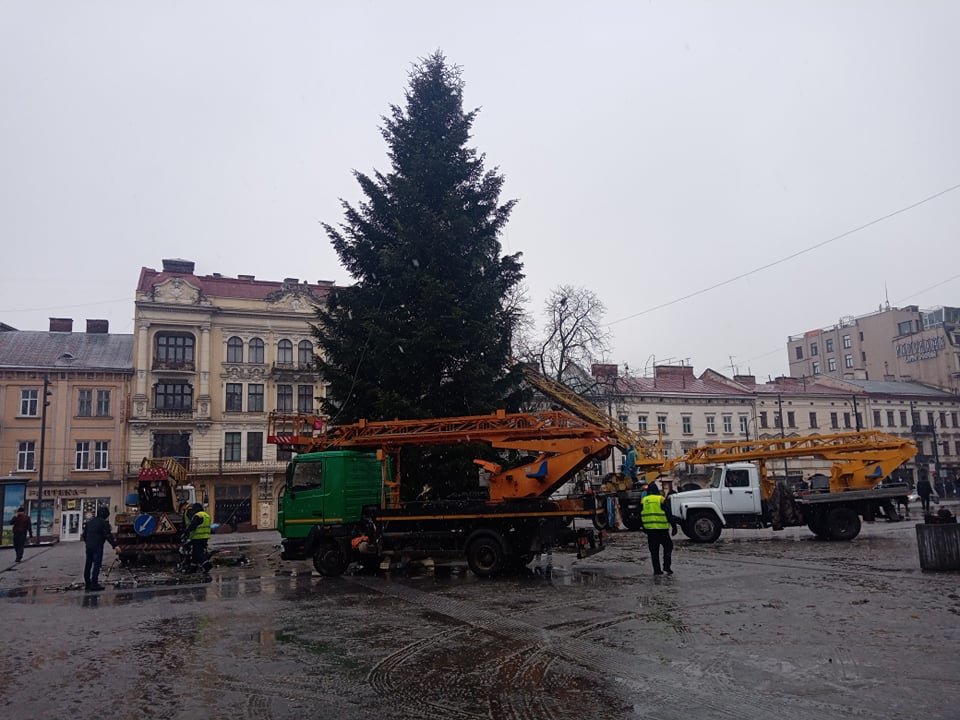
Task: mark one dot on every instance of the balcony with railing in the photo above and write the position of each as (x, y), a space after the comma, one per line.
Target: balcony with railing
(171, 413)
(304, 370)
(197, 468)
(173, 365)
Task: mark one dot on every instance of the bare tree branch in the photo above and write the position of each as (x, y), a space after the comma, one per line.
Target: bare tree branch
(574, 333)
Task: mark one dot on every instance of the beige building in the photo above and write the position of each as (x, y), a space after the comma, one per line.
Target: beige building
(79, 451)
(212, 356)
(899, 344)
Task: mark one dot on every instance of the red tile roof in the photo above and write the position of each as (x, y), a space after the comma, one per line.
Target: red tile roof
(679, 380)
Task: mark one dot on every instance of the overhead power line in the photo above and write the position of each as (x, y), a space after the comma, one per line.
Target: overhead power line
(782, 260)
(64, 307)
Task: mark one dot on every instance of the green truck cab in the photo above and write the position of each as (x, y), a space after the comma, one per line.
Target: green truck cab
(323, 499)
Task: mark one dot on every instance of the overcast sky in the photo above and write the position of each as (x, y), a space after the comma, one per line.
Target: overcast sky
(656, 150)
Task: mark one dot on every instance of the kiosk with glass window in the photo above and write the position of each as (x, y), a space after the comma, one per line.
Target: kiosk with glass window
(13, 492)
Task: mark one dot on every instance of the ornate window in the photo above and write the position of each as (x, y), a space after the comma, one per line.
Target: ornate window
(234, 350)
(255, 397)
(234, 397)
(255, 352)
(285, 352)
(305, 354)
(285, 398)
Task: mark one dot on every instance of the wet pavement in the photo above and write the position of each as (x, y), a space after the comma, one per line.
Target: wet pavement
(759, 625)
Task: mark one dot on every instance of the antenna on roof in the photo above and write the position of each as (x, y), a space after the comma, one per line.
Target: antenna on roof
(886, 294)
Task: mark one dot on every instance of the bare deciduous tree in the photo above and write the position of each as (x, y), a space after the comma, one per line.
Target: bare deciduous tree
(574, 333)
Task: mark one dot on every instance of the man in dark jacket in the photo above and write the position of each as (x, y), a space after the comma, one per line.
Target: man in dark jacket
(96, 531)
(21, 528)
(924, 490)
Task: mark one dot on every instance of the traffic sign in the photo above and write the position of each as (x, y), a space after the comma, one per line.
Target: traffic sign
(144, 525)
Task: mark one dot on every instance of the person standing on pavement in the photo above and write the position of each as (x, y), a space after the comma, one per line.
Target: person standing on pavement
(96, 531)
(924, 490)
(198, 532)
(658, 524)
(21, 527)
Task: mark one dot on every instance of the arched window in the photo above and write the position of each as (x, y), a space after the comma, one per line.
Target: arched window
(234, 350)
(285, 352)
(305, 353)
(255, 353)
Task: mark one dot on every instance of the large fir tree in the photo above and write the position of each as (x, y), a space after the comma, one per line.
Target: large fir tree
(426, 329)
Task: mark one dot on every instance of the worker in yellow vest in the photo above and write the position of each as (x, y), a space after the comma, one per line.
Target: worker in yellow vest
(199, 531)
(657, 524)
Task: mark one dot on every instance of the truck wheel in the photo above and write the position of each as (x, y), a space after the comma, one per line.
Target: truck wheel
(843, 524)
(818, 526)
(632, 521)
(601, 520)
(485, 556)
(702, 527)
(329, 561)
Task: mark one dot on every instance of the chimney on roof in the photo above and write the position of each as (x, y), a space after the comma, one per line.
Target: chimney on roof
(245, 277)
(604, 371)
(788, 380)
(679, 371)
(217, 275)
(61, 324)
(176, 265)
(98, 327)
(745, 379)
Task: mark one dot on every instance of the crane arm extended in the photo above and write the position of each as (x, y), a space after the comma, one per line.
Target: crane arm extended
(859, 460)
(563, 443)
(649, 454)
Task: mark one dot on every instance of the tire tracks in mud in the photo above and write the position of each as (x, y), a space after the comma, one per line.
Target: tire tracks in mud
(662, 694)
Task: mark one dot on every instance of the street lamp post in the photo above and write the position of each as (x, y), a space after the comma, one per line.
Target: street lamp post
(783, 436)
(43, 442)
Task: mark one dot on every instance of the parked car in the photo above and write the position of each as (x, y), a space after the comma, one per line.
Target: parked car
(934, 498)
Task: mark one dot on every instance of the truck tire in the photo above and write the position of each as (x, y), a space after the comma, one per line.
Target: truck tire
(843, 523)
(818, 526)
(632, 522)
(601, 520)
(485, 556)
(329, 560)
(702, 527)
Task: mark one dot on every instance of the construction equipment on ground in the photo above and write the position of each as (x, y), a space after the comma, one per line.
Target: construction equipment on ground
(149, 530)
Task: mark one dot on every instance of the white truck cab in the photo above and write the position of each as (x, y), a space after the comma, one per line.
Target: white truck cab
(731, 500)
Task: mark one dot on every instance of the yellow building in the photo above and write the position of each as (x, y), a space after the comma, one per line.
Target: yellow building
(212, 356)
(79, 452)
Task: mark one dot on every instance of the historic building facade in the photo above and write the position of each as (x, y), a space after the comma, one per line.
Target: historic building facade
(78, 382)
(212, 356)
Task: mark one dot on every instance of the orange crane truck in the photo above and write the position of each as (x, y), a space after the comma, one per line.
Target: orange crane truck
(742, 493)
(341, 501)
